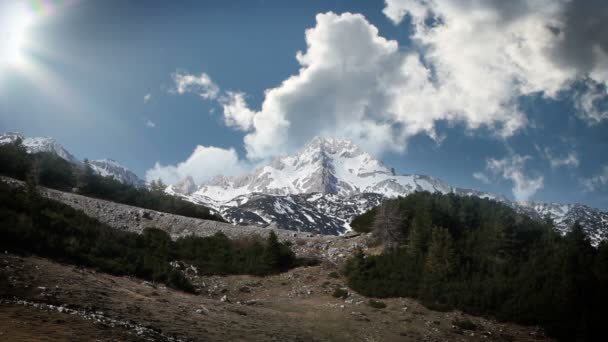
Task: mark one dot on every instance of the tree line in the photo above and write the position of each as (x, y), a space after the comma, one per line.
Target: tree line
(49, 170)
(483, 257)
(30, 223)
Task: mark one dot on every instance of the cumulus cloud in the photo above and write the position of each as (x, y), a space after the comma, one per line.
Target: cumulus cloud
(204, 163)
(471, 63)
(356, 84)
(150, 124)
(201, 85)
(236, 112)
(147, 98)
(596, 182)
(512, 168)
(499, 50)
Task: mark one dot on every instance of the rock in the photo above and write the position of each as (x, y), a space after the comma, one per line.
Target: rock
(225, 299)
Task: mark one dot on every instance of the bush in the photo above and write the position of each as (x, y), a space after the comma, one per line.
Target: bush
(340, 293)
(464, 324)
(376, 304)
(334, 275)
(363, 223)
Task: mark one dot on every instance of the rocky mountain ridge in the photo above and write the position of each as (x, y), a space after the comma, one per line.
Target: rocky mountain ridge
(103, 167)
(330, 181)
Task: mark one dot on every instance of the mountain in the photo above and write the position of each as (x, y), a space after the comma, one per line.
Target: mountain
(564, 216)
(330, 181)
(321, 189)
(185, 186)
(103, 167)
(40, 144)
(109, 167)
(326, 166)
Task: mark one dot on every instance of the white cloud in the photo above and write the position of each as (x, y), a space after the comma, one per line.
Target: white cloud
(512, 168)
(201, 85)
(356, 84)
(592, 103)
(147, 98)
(150, 124)
(571, 160)
(598, 181)
(204, 163)
(470, 64)
(488, 53)
(236, 112)
(480, 176)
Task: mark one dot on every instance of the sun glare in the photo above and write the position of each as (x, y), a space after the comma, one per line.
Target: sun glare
(14, 23)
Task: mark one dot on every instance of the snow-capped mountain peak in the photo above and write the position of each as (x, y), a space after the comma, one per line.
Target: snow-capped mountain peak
(324, 165)
(329, 181)
(112, 168)
(39, 144)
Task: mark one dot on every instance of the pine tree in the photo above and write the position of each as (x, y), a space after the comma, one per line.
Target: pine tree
(158, 186)
(272, 254)
(438, 266)
(388, 224)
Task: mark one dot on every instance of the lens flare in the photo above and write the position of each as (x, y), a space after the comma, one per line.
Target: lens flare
(14, 23)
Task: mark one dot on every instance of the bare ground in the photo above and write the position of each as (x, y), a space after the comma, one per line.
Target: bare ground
(48, 301)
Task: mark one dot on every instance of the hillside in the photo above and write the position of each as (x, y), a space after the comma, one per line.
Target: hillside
(305, 303)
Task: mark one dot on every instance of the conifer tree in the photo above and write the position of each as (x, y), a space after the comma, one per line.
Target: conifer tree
(388, 224)
(438, 265)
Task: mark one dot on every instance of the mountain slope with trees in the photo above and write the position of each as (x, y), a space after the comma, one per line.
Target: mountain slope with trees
(50, 170)
(483, 257)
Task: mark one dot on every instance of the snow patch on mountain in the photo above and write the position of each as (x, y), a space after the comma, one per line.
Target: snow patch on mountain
(112, 168)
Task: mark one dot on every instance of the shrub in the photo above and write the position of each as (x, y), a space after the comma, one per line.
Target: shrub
(364, 222)
(464, 324)
(376, 304)
(340, 293)
(334, 275)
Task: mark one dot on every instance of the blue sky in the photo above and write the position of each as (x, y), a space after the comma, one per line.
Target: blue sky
(534, 130)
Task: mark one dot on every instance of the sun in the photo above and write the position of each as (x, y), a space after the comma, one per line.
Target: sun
(14, 24)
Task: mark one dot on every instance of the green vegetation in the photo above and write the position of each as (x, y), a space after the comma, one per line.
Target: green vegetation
(482, 257)
(363, 223)
(464, 324)
(340, 293)
(376, 304)
(334, 275)
(30, 223)
(54, 172)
